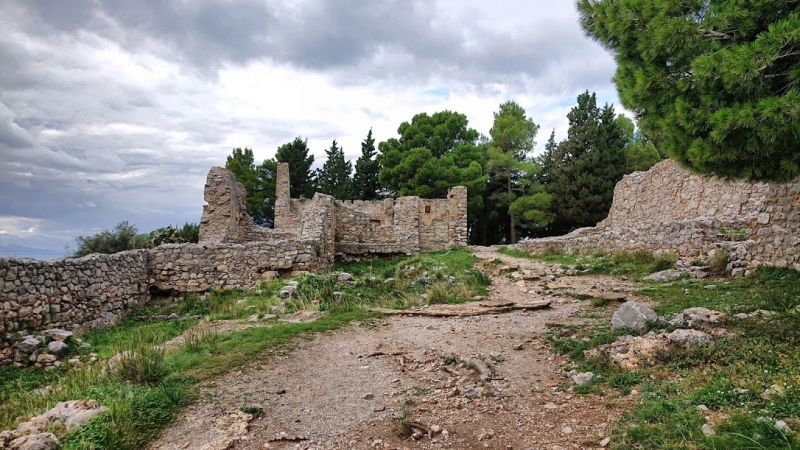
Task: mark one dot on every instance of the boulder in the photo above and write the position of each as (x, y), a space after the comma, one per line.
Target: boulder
(690, 338)
(665, 275)
(28, 345)
(72, 415)
(57, 348)
(58, 334)
(41, 441)
(288, 291)
(583, 379)
(632, 315)
(344, 277)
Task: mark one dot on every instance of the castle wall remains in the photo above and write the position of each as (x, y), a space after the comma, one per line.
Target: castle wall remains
(670, 209)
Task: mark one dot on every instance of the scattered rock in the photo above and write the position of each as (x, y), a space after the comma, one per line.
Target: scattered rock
(368, 396)
(756, 313)
(287, 291)
(58, 334)
(694, 316)
(39, 441)
(707, 430)
(690, 338)
(344, 278)
(28, 345)
(665, 275)
(72, 415)
(605, 442)
(632, 315)
(583, 379)
(782, 427)
(57, 348)
(702, 408)
(46, 359)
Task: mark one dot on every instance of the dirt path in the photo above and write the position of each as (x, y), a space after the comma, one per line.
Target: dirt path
(486, 381)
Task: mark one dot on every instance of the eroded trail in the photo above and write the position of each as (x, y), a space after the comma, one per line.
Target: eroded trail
(486, 381)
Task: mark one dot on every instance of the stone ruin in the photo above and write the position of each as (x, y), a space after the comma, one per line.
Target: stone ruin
(347, 230)
(670, 209)
(234, 253)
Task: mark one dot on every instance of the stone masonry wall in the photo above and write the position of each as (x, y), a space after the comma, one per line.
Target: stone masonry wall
(670, 209)
(81, 293)
(357, 229)
(225, 218)
(97, 290)
(197, 267)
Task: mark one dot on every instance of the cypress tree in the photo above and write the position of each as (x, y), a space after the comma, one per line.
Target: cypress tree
(366, 185)
(334, 177)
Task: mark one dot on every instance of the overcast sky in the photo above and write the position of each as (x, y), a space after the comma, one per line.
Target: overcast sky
(115, 110)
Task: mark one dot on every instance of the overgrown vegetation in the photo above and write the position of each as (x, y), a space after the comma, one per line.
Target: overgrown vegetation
(143, 384)
(637, 263)
(749, 381)
(125, 236)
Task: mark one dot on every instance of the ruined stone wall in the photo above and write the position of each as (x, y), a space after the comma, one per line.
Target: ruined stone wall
(670, 209)
(97, 290)
(81, 293)
(225, 218)
(196, 267)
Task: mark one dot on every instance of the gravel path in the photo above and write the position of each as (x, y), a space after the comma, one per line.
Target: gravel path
(462, 382)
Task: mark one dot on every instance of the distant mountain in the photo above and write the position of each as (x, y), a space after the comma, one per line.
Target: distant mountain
(22, 251)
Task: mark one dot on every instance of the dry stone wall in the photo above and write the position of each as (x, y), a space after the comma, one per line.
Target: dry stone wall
(81, 293)
(97, 290)
(199, 267)
(225, 218)
(670, 209)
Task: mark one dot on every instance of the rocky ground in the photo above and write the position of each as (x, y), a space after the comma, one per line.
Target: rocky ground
(485, 381)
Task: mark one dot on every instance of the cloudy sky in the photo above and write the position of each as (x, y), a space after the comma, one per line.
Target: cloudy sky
(115, 110)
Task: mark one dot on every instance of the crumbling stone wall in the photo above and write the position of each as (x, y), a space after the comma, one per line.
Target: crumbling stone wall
(97, 290)
(225, 218)
(196, 267)
(356, 229)
(81, 293)
(670, 209)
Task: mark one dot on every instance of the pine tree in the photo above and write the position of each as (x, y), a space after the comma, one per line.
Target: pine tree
(513, 135)
(258, 181)
(334, 177)
(588, 165)
(434, 152)
(366, 185)
(301, 177)
(545, 160)
(715, 83)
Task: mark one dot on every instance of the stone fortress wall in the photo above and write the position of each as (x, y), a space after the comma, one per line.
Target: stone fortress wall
(356, 228)
(670, 209)
(233, 253)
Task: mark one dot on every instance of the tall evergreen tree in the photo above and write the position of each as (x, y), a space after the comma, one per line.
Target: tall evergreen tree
(301, 176)
(334, 177)
(588, 165)
(258, 181)
(366, 185)
(545, 160)
(513, 135)
(434, 152)
(716, 83)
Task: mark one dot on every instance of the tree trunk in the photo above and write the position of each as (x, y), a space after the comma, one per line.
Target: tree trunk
(513, 222)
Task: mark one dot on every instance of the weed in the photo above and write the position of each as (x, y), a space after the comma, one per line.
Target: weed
(718, 263)
(254, 411)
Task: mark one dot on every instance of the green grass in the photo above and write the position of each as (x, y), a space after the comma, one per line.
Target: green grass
(728, 377)
(146, 388)
(637, 263)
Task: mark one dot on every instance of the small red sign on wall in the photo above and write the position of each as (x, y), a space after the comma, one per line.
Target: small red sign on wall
(427, 209)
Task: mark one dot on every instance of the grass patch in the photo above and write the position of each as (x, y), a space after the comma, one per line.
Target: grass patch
(145, 386)
(729, 377)
(637, 263)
